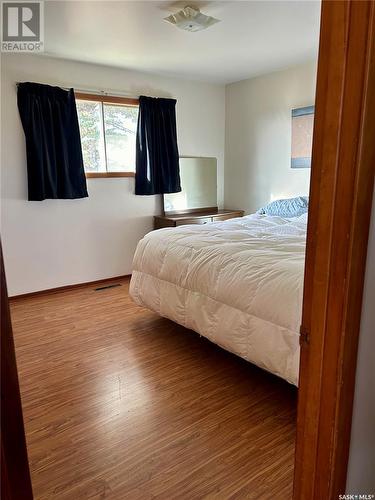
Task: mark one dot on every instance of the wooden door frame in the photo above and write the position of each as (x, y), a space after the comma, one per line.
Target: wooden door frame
(341, 189)
(15, 474)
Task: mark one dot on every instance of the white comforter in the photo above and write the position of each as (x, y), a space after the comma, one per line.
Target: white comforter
(239, 283)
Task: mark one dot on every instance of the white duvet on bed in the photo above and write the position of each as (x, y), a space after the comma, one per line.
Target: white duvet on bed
(239, 283)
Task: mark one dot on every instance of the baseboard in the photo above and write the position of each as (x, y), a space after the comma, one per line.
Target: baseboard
(68, 287)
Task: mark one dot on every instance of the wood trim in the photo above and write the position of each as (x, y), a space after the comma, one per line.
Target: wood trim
(128, 101)
(103, 175)
(69, 287)
(15, 474)
(340, 206)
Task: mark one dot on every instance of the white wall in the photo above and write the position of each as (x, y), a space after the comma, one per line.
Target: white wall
(258, 137)
(361, 468)
(57, 242)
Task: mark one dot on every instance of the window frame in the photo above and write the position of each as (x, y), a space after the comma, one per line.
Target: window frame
(107, 99)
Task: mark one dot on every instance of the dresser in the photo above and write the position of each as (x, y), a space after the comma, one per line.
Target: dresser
(198, 217)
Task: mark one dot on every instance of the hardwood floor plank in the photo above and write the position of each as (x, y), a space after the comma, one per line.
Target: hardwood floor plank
(122, 404)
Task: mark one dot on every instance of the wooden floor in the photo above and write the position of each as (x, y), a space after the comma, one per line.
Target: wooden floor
(122, 404)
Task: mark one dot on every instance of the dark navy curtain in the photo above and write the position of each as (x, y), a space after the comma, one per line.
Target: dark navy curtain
(157, 159)
(53, 143)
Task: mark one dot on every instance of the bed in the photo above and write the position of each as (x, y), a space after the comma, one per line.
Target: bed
(238, 283)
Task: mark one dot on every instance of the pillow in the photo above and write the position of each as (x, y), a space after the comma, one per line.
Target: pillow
(290, 207)
(302, 218)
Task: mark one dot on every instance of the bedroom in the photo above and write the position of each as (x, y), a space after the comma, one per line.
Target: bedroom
(94, 366)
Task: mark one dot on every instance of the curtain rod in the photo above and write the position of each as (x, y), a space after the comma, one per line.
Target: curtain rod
(90, 91)
(114, 93)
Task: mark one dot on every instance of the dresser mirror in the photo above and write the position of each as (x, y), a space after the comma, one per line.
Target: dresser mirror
(199, 187)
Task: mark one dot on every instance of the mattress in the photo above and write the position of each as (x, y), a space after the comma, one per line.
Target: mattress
(239, 283)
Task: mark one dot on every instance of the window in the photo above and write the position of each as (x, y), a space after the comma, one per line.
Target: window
(302, 133)
(108, 127)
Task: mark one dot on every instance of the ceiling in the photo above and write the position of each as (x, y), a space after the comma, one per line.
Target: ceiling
(253, 37)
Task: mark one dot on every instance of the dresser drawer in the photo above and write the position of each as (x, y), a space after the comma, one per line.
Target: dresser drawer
(195, 220)
(227, 216)
(223, 217)
(210, 215)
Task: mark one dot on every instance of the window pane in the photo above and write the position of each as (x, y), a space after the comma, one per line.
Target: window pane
(91, 129)
(120, 134)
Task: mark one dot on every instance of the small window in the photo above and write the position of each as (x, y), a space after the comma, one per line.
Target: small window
(108, 127)
(302, 133)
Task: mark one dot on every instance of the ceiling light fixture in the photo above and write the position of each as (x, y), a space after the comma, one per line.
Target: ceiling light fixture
(191, 19)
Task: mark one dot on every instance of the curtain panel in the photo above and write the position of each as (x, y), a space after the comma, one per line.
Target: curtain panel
(53, 143)
(157, 158)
